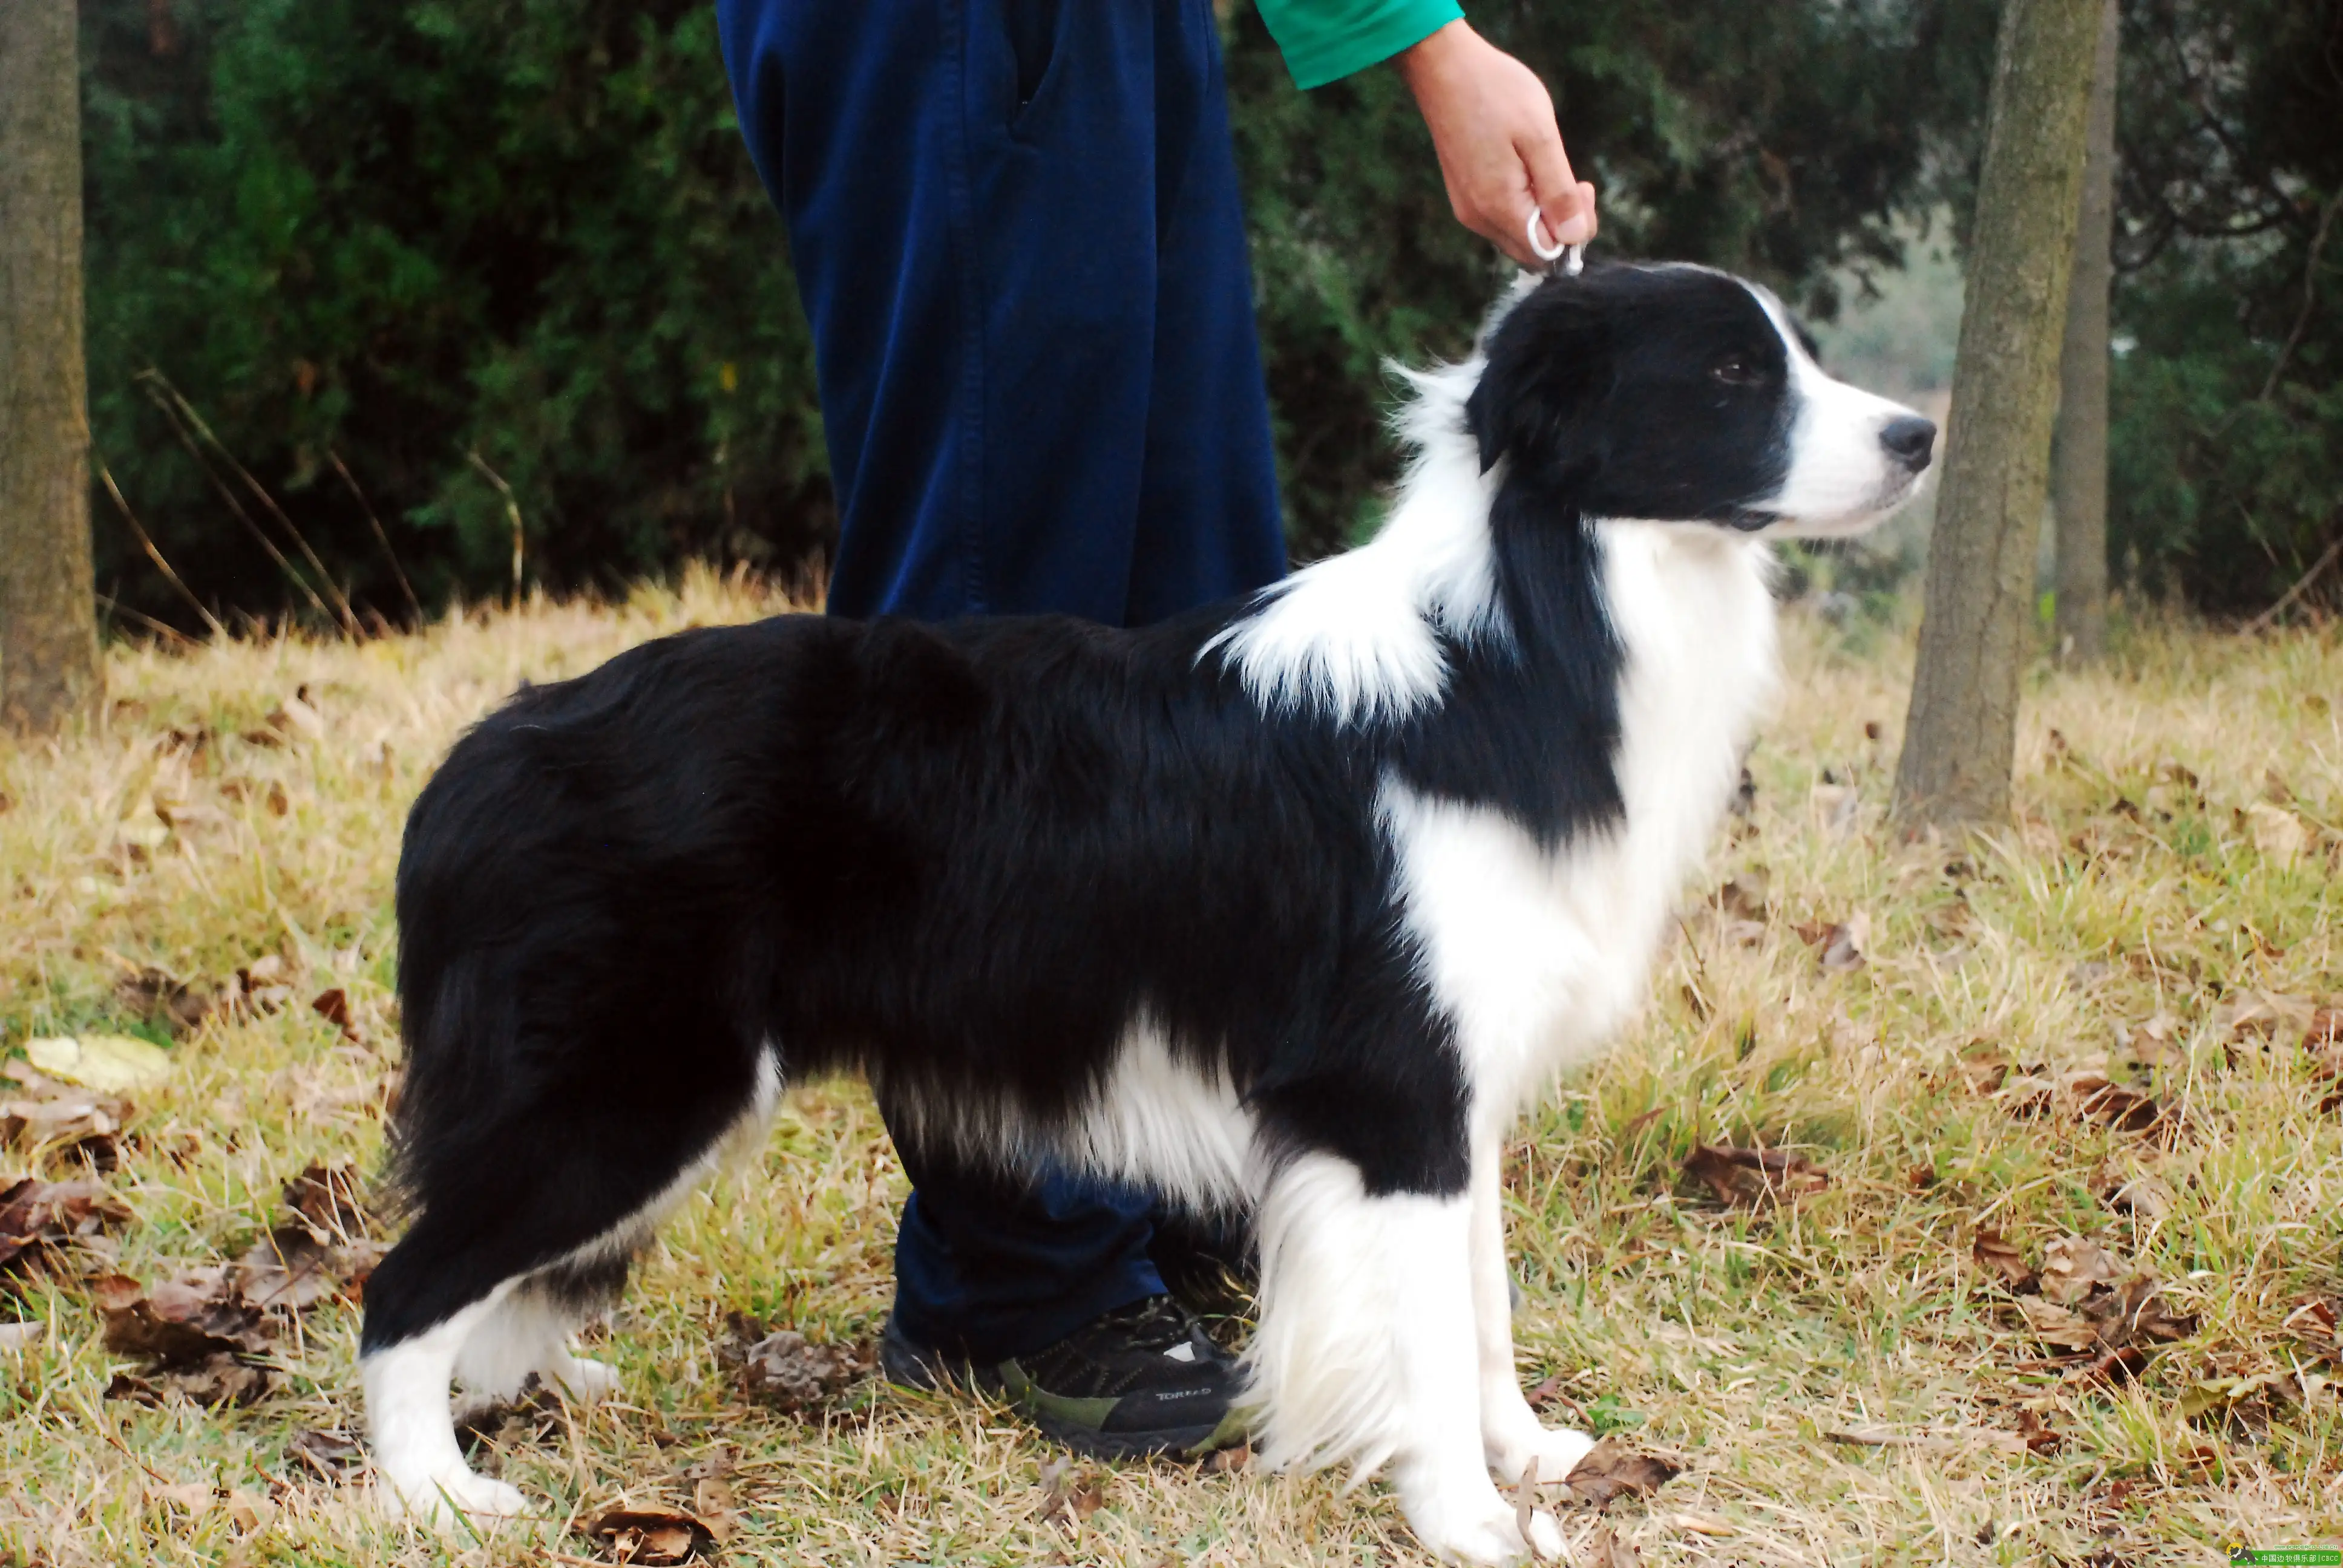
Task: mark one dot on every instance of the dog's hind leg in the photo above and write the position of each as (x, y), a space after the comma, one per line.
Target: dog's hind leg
(1366, 1354)
(1510, 1430)
(527, 1334)
(525, 1227)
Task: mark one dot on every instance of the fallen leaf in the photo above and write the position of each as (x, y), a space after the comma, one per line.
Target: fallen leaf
(160, 996)
(1547, 1393)
(2224, 1393)
(1743, 897)
(109, 1063)
(1228, 1461)
(295, 715)
(2058, 1325)
(249, 1510)
(2265, 1013)
(1755, 1176)
(782, 1369)
(1842, 943)
(63, 1119)
(327, 1196)
(1078, 1493)
(15, 1337)
(183, 1320)
(330, 1454)
(1609, 1471)
(334, 1007)
(1999, 1257)
(2126, 1110)
(718, 1509)
(2278, 833)
(215, 1381)
(657, 1537)
(2072, 1267)
(2035, 1433)
(37, 1217)
(194, 1496)
(287, 1270)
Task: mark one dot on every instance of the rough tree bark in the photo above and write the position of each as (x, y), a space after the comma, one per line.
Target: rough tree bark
(48, 632)
(1961, 732)
(2078, 456)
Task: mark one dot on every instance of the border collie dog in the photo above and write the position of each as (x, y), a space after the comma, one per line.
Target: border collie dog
(1286, 906)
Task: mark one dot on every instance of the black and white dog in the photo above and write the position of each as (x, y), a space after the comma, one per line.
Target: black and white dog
(1288, 905)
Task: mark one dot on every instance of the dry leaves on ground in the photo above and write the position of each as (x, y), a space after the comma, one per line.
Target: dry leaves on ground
(109, 1063)
(782, 1369)
(2087, 1094)
(64, 1120)
(203, 1331)
(1843, 944)
(160, 997)
(1610, 1471)
(656, 1537)
(331, 1455)
(1074, 1493)
(39, 1221)
(1755, 1176)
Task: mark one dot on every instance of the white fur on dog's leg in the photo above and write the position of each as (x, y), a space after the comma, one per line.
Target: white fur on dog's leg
(586, 1381)
(411, 1427)
(1511, 1434)
(1366, 1354)
(1442, 1482)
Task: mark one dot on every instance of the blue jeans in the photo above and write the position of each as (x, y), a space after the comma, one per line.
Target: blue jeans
(1017, 233)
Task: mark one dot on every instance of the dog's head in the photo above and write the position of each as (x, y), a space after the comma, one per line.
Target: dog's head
(1678, 394)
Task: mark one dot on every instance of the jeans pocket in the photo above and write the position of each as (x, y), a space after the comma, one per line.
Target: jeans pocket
(1032, 29)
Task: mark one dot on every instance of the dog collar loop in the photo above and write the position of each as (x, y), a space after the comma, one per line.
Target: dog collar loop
(1573, 257)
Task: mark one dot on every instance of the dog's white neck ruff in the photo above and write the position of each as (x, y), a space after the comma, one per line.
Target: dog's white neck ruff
(1357, 634)
(1536, 955)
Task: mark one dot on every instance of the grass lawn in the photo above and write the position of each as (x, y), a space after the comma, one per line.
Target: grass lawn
(2057, 1281)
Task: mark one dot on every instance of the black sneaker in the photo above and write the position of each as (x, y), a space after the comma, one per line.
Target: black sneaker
(1142, 1379)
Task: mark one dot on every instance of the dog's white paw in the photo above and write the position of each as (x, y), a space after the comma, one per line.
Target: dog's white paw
(1556, 1449)
(1483, 1529)
(587, 1381)
(440, 1499)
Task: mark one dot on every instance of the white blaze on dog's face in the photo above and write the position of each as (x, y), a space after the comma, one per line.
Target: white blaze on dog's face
(1679, 394)
(1854, 457)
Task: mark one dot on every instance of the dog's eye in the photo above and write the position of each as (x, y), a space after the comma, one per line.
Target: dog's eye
(1735, 372)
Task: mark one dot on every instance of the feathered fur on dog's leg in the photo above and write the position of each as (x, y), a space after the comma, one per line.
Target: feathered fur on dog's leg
(1365, 1355)
(1510, 1430)
(411, 1427)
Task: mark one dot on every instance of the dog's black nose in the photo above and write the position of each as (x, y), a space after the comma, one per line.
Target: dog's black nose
(1910, 440)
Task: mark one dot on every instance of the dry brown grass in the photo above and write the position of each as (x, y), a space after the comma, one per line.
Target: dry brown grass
(1739, 1340)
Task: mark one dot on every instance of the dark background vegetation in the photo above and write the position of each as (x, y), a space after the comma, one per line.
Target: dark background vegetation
(433, 244)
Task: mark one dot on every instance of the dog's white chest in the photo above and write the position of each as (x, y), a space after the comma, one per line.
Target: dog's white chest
(1537, 956)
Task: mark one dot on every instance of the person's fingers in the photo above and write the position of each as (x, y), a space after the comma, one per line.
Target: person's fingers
(1586, 206)
(1553, 186)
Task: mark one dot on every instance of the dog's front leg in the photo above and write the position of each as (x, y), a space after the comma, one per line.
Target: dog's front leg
(1366, 1352)
(1509, 1428)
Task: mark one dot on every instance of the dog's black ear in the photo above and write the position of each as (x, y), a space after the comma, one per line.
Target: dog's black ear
(1545, 370)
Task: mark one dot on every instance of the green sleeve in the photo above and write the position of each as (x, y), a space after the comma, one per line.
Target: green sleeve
(1325, 40)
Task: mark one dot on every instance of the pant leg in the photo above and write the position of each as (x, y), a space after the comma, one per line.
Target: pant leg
(1016, 230)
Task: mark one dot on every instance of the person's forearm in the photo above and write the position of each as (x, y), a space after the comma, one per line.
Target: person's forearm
(1500, 152)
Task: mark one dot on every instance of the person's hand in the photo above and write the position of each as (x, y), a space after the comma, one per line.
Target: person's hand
(1500, 152)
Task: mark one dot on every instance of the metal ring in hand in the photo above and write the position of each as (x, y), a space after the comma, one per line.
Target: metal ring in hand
(1572, 257)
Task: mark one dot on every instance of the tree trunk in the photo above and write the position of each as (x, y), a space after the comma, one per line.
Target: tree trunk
(2078, 457)
(49, 633)
(1977, 629)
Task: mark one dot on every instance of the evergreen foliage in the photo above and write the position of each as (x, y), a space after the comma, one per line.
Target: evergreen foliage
(2227, 446)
